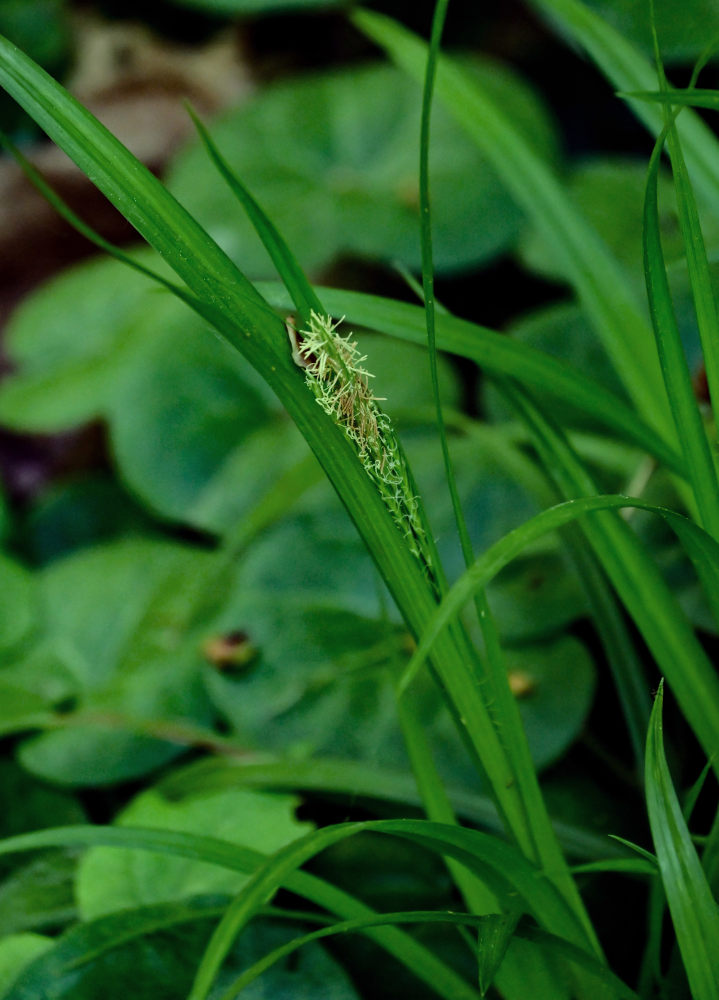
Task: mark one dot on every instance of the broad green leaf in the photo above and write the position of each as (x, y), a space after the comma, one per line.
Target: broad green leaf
(83, 511)
(110, 880)
(342, 146)
(191, 391)
(148, 362)
(123, 612)
(555, 682)
(32, 802)
(693, 909)
(43, 673)
(150, 951)
(330, 567)
(536, 598)
(16, 952)
(18, 608)
(319, 665)
(21, 710)
(71, 342)
(38, 895)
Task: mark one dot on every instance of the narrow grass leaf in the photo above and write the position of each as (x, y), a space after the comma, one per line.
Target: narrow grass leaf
(622, 866)
(693, 909)
(541, 939)
(698, 97)
(641, 851)
(637, 580)
(629, 70)
(343, 928)
(421, 961)
(303, 295)
(425, 222)
(512, 544)
(599, 281)
(697, 456)
(626, 666)
(356, 781)
(697, 266)
(437, 803)
(505, 707)
(494, 933)
(499, 864)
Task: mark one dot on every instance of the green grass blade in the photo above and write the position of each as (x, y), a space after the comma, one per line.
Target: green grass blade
(498, 355)
(625, 664)
(638, 582)
(699, 97)
(697, 456)
(437, 804)
(506, 710)
(303, 295)
(495, 933)
(355, 781)
(546, 942)
(693, 909)
(534, 935)
(425, 222)
(599, 281)
(697, 266)
(628, 70)
(499, 555)
(505, 870)
(624, 866)
(345, 927)
(421, 961)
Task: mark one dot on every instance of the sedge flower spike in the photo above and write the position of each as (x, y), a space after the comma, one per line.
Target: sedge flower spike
(335, 375)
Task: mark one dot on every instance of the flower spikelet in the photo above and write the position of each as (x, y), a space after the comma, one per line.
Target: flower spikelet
(335, 373)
